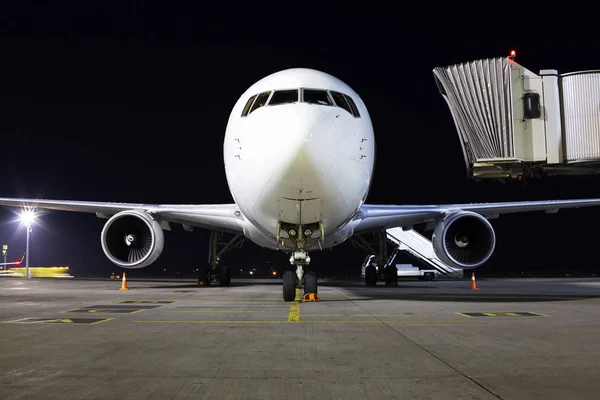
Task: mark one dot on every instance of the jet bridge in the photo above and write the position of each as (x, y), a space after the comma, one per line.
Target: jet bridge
(515, 124)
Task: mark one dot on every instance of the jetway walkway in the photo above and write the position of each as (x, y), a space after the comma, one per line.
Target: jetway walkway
(513, 123)
(422, 248)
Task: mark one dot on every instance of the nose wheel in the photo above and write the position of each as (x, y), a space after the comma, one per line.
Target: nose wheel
(293, 280)
(289, 285)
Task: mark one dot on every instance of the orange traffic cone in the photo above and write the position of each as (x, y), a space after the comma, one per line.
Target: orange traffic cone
(473, 283)
(124, 283)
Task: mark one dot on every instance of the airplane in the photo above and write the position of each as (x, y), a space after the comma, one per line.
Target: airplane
(299, 152)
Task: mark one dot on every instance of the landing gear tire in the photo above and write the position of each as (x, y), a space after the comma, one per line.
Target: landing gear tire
(370, 276)
(203, 276)
(224, 276)
(310, 282)
(289, 285)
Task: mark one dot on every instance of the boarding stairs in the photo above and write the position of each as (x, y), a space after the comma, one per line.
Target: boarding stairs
(422, 248)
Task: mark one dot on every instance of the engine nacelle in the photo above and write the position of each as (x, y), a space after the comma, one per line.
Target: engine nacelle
(464, 240)
(132, 239)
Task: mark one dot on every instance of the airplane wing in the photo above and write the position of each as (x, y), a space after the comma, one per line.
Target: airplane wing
(374, 217)
(219, 217)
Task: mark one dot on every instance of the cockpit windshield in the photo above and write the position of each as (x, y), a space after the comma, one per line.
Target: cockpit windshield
(320, 97)
(312, 96)
(261, 100)
(284, 96)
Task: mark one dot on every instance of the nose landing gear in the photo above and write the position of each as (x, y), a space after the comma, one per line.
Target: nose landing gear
(293, 280)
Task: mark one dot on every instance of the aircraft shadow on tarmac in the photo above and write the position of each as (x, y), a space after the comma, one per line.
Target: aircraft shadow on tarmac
(356, 291)
(462, 298)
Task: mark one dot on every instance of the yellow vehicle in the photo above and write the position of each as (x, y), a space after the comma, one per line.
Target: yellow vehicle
(42, 272)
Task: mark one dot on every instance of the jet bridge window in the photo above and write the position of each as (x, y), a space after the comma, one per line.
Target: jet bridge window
(284, 97)
(312, 96)
(247, 106)
(340, 101)
(261, 100)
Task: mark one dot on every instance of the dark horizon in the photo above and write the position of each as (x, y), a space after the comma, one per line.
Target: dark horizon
(111, 104)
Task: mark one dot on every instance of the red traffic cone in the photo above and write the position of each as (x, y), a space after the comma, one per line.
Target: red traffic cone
(124, 283)
(473, 283)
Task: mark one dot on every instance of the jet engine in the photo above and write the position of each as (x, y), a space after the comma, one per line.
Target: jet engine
(464, 240)
(132, 239)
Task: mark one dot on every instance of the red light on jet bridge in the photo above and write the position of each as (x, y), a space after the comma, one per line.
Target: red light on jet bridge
(512, 55)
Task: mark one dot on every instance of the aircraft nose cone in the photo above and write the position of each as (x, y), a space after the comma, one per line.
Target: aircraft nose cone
(309, 143)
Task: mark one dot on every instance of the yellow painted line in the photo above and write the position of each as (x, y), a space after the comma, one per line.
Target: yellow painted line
(68, 311)
(134, 302)
(99, 322)
(368, 315)
(324, 315)
(294, 315)
(206, 321)
(499, 314)
(16, 320)
(226, 311)
(61, 320)
(404, 321)
(541, 315)
(98, 311)
(236, 302)
(391, 315)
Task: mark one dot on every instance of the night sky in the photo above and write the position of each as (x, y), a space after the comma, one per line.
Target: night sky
(130, 104)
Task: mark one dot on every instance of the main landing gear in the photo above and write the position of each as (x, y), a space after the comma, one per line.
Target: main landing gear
(215, 271)
(378, 265)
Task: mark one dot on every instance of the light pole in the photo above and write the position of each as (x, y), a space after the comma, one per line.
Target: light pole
(27, 218)
(4, 250)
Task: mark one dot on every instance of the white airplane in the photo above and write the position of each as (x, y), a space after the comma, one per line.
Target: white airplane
(299, 152)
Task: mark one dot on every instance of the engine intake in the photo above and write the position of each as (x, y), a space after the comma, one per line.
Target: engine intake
(464, 240)
(132, 239)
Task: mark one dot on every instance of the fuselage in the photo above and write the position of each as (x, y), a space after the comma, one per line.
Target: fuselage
(299, 149)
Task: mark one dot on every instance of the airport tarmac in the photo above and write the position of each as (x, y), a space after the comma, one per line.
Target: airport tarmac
(511, 339)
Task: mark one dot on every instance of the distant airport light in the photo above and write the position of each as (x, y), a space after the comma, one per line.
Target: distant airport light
(512, 55)
(27, 217)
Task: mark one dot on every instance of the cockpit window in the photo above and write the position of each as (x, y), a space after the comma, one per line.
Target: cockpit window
(261, 100)
(340, 101)
(352, 106)
(247, 106)
(312, 96)
(283, 97)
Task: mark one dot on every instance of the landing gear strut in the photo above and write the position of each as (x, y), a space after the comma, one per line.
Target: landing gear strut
(215, 271)
(292, 280)
(377, 266)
